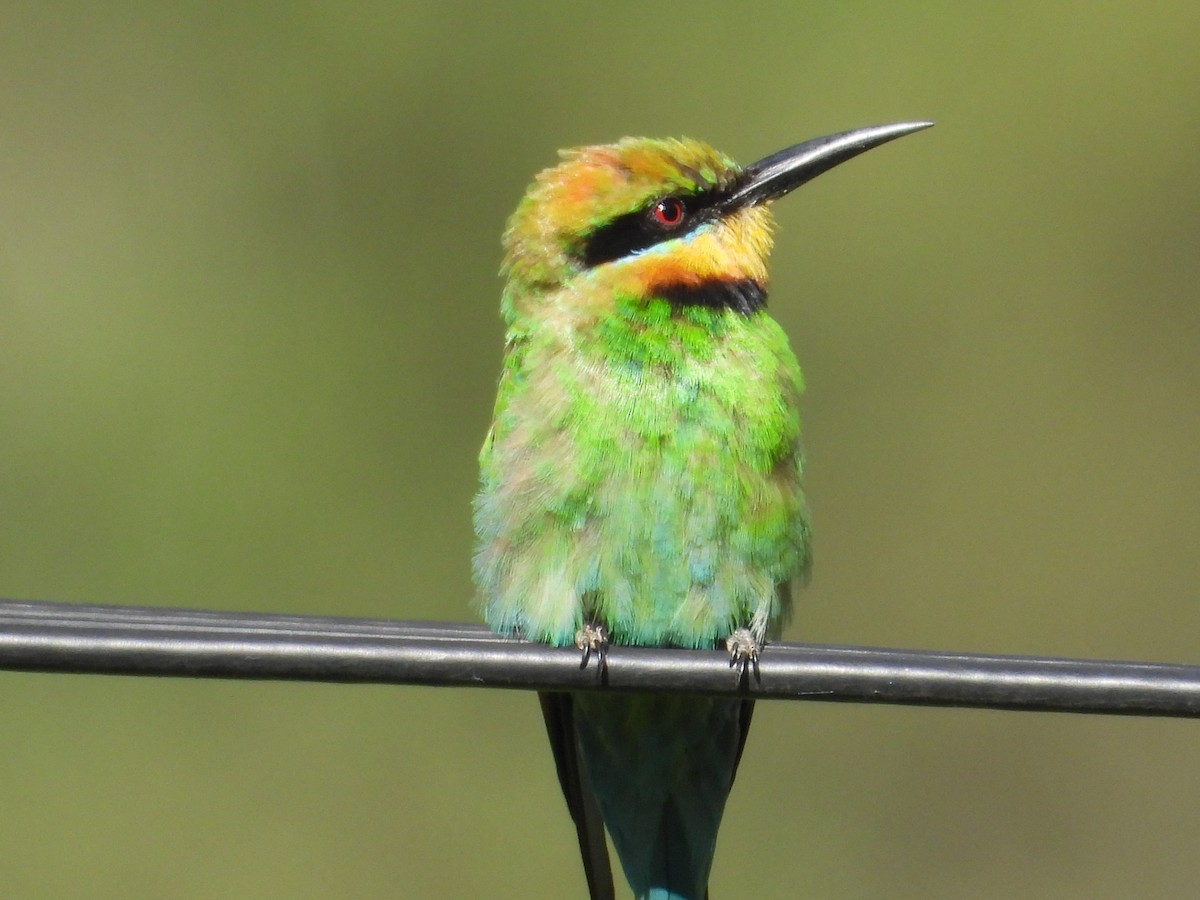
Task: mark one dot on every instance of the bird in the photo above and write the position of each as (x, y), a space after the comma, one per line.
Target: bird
(641, 480)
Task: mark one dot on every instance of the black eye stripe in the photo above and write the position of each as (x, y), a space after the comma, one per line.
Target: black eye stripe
(637, 230)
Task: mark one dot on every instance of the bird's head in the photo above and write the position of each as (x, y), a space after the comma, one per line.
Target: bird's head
(646, 218)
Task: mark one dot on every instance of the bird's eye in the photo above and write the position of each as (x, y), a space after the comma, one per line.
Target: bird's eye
(668, 212)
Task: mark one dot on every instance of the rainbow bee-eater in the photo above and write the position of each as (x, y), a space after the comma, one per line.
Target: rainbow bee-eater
(641, 482)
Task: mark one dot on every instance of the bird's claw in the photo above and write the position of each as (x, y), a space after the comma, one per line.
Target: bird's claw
(592, 638)
(744, 649)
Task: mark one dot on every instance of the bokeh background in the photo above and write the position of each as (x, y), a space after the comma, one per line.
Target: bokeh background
(249, 339)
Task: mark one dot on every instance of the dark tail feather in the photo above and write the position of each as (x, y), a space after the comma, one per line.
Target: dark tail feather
(581, 801)
(745, 714)
(661, 768)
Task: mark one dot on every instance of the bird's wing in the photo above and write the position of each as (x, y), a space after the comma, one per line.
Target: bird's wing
(581, 801)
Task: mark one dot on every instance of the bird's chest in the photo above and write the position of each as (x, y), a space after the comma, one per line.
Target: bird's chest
(666, 455)
(665, 498)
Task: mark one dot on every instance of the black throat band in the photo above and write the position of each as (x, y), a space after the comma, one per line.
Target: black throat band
(745, 296)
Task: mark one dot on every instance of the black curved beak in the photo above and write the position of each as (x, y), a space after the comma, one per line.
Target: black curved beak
(777, 174)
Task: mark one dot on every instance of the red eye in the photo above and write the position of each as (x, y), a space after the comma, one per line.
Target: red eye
(669, 212)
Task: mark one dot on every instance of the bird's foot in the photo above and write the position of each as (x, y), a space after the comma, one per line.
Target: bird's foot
(744, 649)
(592, 638)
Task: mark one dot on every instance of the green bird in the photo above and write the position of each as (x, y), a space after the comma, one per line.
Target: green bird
(641, 481)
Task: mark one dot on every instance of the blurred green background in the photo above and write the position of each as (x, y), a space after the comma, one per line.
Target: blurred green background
(249, 340)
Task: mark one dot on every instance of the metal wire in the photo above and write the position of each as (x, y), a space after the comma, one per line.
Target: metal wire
(138, 640)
